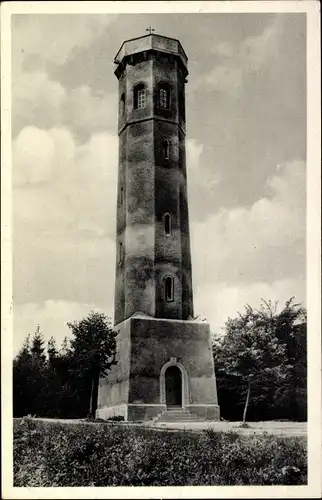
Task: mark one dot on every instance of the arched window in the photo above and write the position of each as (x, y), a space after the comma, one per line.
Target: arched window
(122, 104)
(168, 289)
(167, 224)
(165, 150)
(139, 96)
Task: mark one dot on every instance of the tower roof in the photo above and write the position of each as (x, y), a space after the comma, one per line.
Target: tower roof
(151, 41)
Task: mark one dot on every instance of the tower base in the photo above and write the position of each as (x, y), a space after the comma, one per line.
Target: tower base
(161, 363)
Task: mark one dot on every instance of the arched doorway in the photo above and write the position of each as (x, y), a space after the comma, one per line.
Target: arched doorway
(173, 386)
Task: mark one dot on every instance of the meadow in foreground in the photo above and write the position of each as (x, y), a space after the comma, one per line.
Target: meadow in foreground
(87, 454)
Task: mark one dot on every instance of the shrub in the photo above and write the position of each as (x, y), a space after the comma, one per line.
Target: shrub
(83, 454)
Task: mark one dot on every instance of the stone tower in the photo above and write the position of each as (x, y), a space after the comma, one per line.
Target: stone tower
(164, 356)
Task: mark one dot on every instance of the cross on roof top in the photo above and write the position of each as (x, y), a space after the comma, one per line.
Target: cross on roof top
(149, 29)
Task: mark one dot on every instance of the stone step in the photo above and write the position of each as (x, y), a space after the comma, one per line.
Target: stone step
(178, 415)
(174, 414)
(165, 418)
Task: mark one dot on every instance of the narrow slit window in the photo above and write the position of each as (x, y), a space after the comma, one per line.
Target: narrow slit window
(163, 98)
(182, 112)
(122, 196)
(167, 224)
(165, 150)
(168, 286)
(120, 256)
(122, 104)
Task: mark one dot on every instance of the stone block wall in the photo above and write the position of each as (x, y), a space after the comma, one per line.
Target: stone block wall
(145, 347)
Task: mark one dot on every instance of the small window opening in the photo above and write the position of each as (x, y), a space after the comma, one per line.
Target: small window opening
(120, 255)
(168, 285)
(122, 196)
(163, 98)
(122, 104)
(139, 97)
(182, 111)
(167, 224)
(165, 150)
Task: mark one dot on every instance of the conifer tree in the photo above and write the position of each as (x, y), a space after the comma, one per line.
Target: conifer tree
(37, 347)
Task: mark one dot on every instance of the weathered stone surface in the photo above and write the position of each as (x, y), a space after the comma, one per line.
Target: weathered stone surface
(155, 331)
(146, 346)
(151, 185)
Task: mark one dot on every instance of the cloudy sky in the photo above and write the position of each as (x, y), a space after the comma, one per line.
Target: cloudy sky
(246, 160)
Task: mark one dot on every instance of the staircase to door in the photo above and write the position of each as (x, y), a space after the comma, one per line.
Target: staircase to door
(174, 399)
(177, 414)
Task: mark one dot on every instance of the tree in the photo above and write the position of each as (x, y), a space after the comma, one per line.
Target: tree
(291, 330)
(253, 355)
(94, 348)
(52, 351)
(21, 371)
(37, 348)
(258, 356)
(59, 383)
(30, 377)
(65, 347)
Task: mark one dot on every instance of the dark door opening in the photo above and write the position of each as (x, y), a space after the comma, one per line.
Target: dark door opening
(173, 386)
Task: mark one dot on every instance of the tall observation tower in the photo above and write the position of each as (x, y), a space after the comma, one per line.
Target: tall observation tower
(164, 356)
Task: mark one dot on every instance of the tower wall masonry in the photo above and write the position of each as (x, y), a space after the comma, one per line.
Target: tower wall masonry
(153, 277)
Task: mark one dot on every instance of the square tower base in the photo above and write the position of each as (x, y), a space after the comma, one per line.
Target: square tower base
(140, 386)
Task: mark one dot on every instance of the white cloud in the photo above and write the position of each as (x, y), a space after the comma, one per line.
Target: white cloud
(255, 243)
(36, 100)
(194, 151)
(52, 317)
(86, 111)
(224, 77)
(44, 103)
(40, 38)
(217, 302)
(33, 153)
(64, 227)
(223, 49)
(256, 51)
(40, 155)
(237, 63)
(81, 181)
(200, 180)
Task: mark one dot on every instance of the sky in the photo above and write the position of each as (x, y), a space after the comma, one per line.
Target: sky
(246, 161)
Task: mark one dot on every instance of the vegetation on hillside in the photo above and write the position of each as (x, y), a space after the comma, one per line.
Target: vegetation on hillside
(87, 454)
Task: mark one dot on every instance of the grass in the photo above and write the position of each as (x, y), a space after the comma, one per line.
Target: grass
(57, 454)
